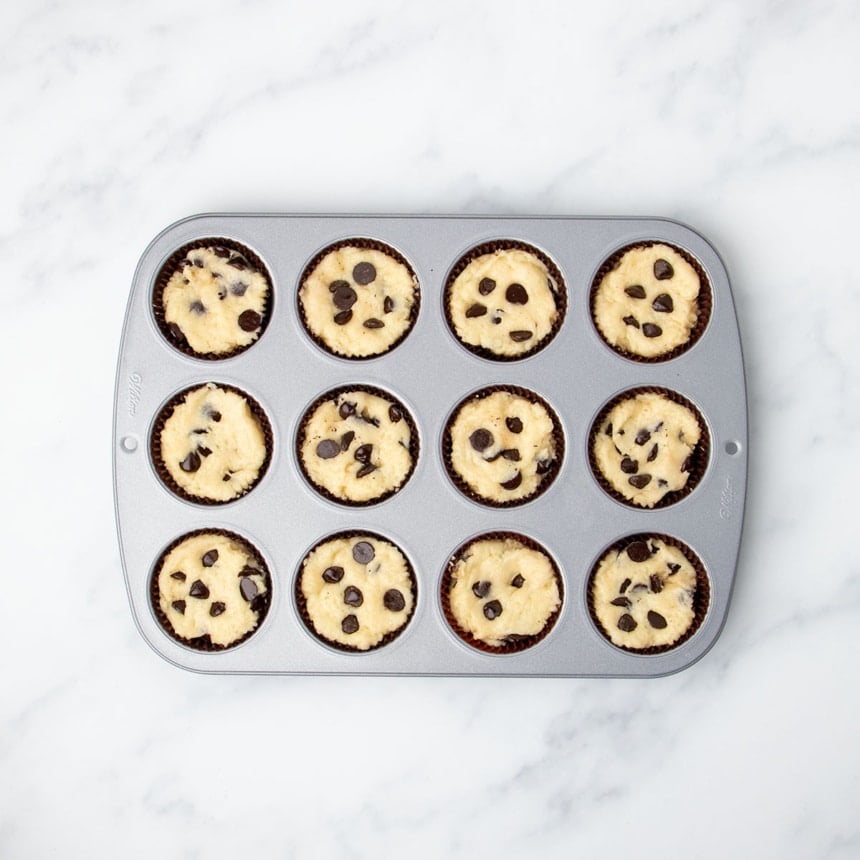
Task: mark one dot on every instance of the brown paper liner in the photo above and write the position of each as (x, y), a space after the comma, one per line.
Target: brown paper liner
(699, 457)
(165, 413)
(705, 302)
(508, 245)
(373, 245)
(204, 643)
(548, 478)
(170, 331)
(333, 394)
(302, 605)
(515, 643)
(701, 597)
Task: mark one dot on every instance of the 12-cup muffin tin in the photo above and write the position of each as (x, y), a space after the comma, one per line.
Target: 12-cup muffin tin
(430, 372)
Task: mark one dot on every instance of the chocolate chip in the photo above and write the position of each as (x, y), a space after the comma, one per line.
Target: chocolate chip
(656, 620)
(221, 251)
(344, 297)
(343, 317)
(198, 589)
(346, 409)
(492, 610)
(349, 624)
(544, 466)
(395, 413)
(226, 476)
(651, 330)
(520, 335)
(652, 454)
(365, 470)
(511, 454)
(628, 466)
(368, 419)
(239, 263)
(663, 304)
(333, 574)
(486, 286)
(624, 585)
(481, 439)
(249, 320)
(178, 575)
(239, 288)
(363, 453)
(198, 262)
(476, 310)
(623, 602)
(663, 270)
(513, 483)
(393, 600)
(387, 305)
(627, 623)
(334, 286)
(327, 449)
(673, 568)
(481, 588)
(516, 294)
(496, 318)
(638, 551)
(363, 552)
(514, 425)
(642, 436)
(179, 606)
(197, 307)
(217, 608)
(352, 596)
(364, 273)
(518, 581)
(209, 558)
(631, 321)
(203, 451)
(656, 583)
(636, 291)
(346, 440)
(639, 481)
(373, 322)
(688, 462)
(191, 463)
(214, 414)
(248, 588)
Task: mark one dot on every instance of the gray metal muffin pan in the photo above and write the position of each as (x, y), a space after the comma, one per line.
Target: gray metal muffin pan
(430, 372)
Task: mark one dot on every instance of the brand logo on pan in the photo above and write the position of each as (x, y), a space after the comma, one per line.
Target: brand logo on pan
(728, 497)
(134, 388)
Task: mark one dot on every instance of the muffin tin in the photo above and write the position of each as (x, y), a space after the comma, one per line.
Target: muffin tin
(430, 372)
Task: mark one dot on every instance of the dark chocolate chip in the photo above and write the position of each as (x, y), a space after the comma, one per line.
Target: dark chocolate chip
(387, 305)
(203, 451)
(518, 581)
(651, 330)
(636, 291)
(486, 286)
(511, 454)
(513, 483)
(514, 425)
(344, 297)
(638, 551)
(198, 589)
(395, 413)
(334, 286)
(624, 585)
(343, 317)
(496, 318)
(481, 439)
(520, 335)
(363, 552)
(373, 322)
(492, 610)
(642, 436)
(393, 600)
(639, 481)
(481, 588)
(333, 574)
(327, 449)
(544, 466)
(662, 482)
(239, 263)
(249, 320)
(248, 588)
(346, 440)
(197, 307)
(226, 476)
(217, 608)
(516, 294)
(688, 462)
(628, 466)
(663, 304)
(209, 558)
(623, 602)
(349, 624)
(663, 270)
(346, 409)
(363, 453)
(656, 620)
(239, 288)
(214, 414)
(627, 623)
(673, 568)
(364, 273)
(368, 419)
(352, 596)
(476, 310)
(179, 606)
(656, 583)
(652, 454)
(631, 321)
(366, 470)
(221, 251)
(197, 261)
(191, 463)
(178, 575)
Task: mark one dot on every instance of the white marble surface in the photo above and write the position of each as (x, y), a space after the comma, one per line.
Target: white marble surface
(118, 118)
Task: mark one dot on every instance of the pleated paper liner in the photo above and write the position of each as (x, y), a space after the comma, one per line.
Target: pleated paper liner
(302, 604)
(165, 413)
(332, 395)
(548, 478)
(559, 293)
(171, 331)
(705, 302)
(698, 461)
(514, 642)
(373, 245)
(701, 596)
(260, 603)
